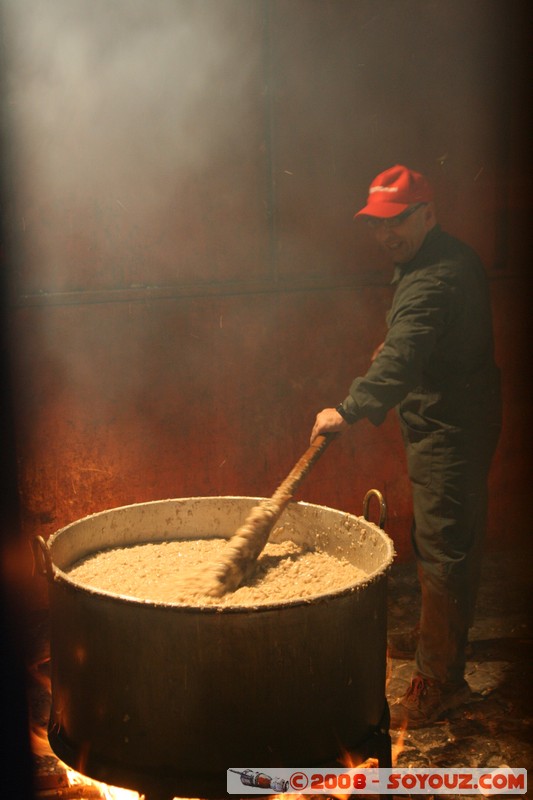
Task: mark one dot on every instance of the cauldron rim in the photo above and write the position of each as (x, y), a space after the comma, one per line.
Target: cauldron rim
(60, 576)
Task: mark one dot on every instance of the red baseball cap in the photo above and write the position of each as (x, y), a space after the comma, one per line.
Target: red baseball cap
(395, 190)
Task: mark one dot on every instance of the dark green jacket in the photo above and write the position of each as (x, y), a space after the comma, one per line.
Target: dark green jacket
(437, 363)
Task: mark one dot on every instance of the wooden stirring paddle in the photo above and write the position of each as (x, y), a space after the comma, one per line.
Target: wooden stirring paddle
(248, 541)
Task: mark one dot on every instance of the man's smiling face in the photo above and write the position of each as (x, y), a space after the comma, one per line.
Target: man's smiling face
(402, 236)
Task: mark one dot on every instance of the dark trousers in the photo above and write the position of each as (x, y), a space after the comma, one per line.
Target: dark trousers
(448, 468)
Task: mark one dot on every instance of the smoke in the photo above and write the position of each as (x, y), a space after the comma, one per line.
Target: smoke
(136, 135)
(117, 107)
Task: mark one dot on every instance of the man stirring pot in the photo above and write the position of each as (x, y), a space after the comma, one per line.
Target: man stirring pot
(437, 367)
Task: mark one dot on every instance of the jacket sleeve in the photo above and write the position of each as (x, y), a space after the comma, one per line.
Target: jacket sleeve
(419, 315)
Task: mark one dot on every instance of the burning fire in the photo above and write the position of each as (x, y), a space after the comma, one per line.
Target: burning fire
(398, 745)
(107, 792)
(40, 747)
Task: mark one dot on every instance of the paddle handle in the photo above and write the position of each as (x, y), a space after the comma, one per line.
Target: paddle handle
(286, 490)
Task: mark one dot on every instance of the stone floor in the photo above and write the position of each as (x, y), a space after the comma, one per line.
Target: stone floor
(494, 730)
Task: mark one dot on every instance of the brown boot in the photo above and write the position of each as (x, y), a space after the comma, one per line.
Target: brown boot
(426, 700)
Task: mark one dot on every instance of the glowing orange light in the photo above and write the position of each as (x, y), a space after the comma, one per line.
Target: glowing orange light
(398, 746)
(40, 746)
(107, 792)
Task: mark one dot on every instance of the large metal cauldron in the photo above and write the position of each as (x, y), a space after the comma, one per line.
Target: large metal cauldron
(157, 695)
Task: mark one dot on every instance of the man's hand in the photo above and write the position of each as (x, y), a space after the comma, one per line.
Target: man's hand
(328, 421)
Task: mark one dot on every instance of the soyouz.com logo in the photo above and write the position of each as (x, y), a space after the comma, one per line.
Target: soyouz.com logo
(481, 782)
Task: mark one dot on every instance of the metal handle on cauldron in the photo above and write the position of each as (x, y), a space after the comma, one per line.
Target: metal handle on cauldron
(43, 559)
(382, 506)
